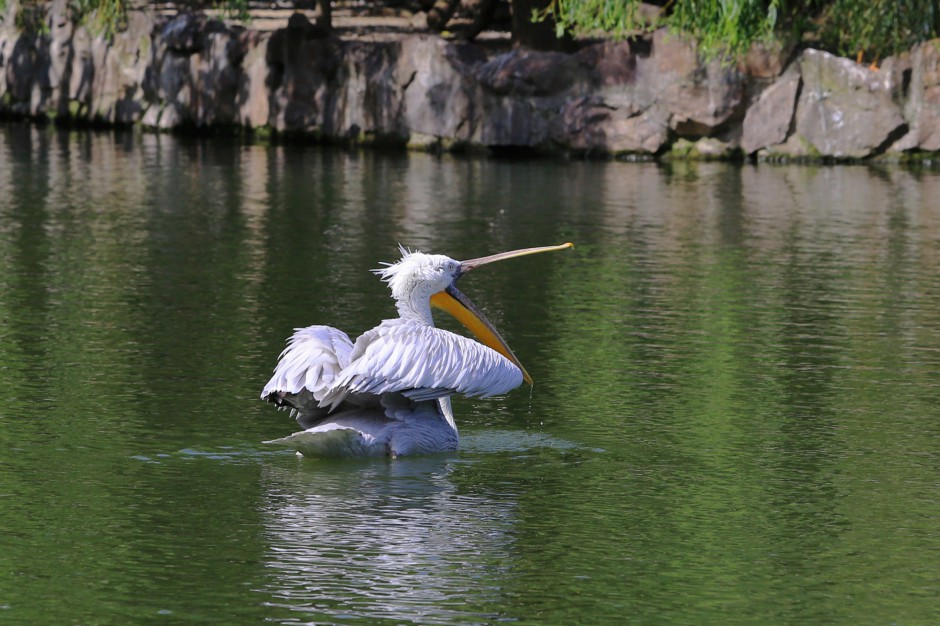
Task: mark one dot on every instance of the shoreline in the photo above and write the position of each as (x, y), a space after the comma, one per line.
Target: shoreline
(649, 100)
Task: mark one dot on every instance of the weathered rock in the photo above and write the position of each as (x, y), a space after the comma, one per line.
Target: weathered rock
(185, 33)
(195, 77)
(253, 106)
(54, 79)
(668, 88)
(922, 110)
(612, 63)
(653, 97)
(216, 80)
(511, 122)
(767, 121)
(765, 60)
(80, 76)
(644, 133)
(590, 124)
(845, 110)
(440, 93)
(796, 147)
(367, 101)
(21, 65)
(699, 97)
(128, 57)
(530, 73)
(311, 79)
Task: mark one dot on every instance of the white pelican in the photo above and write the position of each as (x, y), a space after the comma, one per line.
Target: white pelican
(389, 392)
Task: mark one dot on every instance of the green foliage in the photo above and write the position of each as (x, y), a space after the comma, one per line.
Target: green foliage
(722, 27)
(30, 17)
(234, 9)
(725, 26)
(102, 16)
(619, 19)
(874, 28)
(877, 28)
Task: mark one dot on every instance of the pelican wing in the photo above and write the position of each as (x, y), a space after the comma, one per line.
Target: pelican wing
(307, 368)
(422, 362)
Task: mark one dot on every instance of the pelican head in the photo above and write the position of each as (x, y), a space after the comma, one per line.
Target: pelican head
(418, 276)
(419, 281)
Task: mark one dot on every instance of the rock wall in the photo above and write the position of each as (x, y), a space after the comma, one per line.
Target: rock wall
(644, 99)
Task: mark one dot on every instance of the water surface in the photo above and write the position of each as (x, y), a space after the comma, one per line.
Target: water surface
(734, 420)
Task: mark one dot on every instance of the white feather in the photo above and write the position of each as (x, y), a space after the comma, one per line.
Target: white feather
(313, 357)
(387, 393)
(449, 363)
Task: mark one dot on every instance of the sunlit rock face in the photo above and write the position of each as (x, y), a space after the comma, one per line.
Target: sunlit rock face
(648, 98)
(768, 119)
(845, 109)
(922, 101)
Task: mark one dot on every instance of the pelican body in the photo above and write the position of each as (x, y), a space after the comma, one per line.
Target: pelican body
(388, 393)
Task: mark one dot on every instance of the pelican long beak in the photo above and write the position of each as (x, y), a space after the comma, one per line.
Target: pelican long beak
(466, 266)
(460, 306)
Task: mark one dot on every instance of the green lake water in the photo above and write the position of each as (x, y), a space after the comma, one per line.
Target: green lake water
(735, 416)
